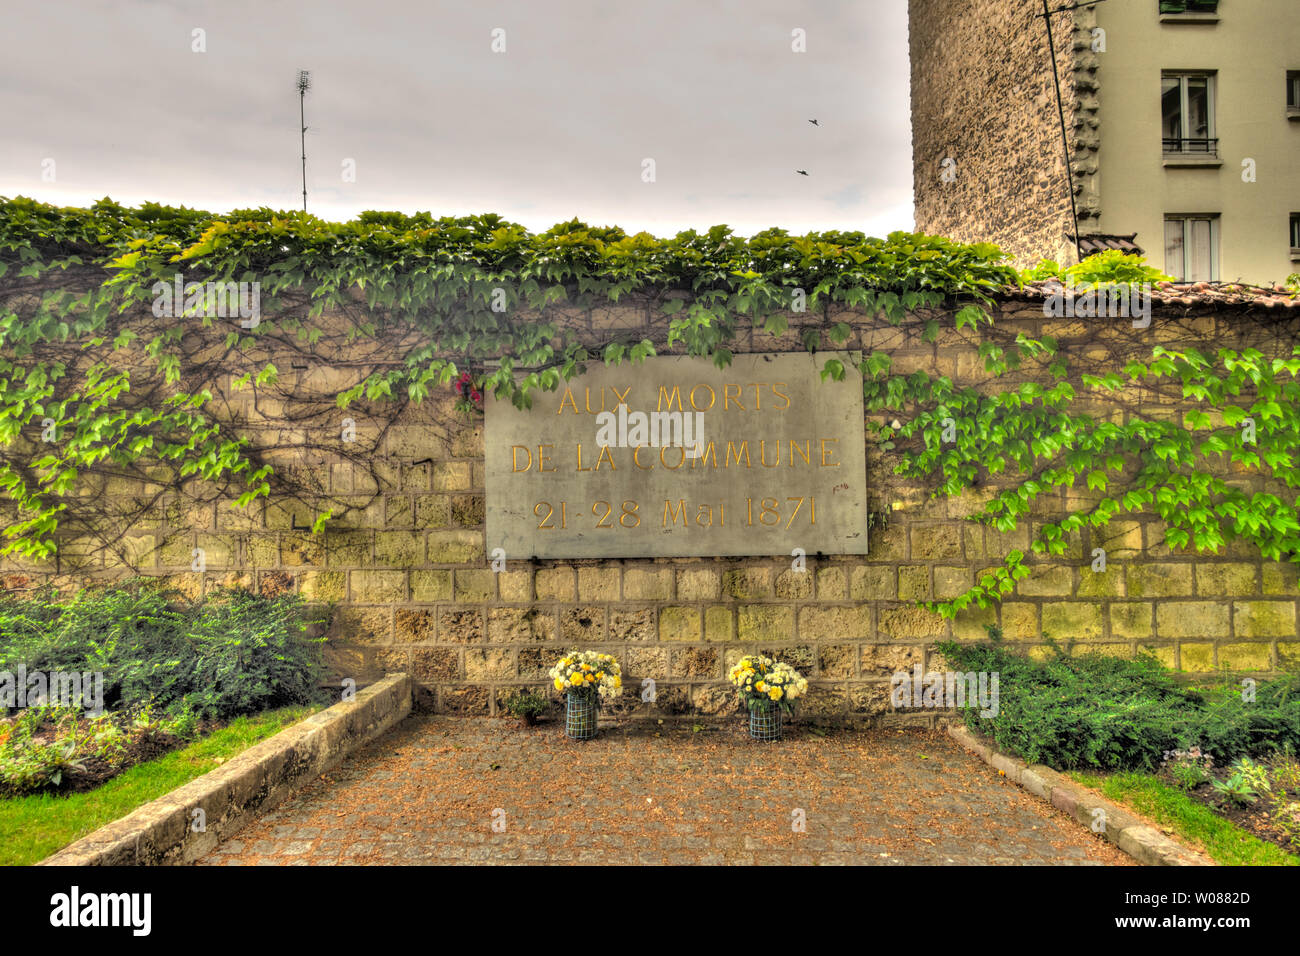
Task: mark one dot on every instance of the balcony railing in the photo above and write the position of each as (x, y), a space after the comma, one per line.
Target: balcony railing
(1189, 6)
(1191, 147)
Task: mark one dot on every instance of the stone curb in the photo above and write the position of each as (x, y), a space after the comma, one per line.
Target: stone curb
(160, 832)
(1135, 837)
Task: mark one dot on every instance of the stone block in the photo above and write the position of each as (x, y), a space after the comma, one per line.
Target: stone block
(748, 583)
(832, 583)
(455, 547)
(680, 623)
(936, 543)
(914, 583)
(377, 587)
(598, 584)
(1159, 580)
(834, 623)
(1072, 621)
(1264, 618)
(430, 586)
(1019, 620)
(399, 549)
(1191, 619)
(872, 582)
(1131, 619)
(555, 584)
(765, 622)
(648, 584)
(475, 586)
(719, 623)
(792, 585)
(1048, 580)
(1226, 579)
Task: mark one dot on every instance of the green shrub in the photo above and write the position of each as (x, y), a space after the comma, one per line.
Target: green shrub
(232, 653)
(1111, 267)
(527, 704)
(28, 765)
(1237, 789)
(1115, 714)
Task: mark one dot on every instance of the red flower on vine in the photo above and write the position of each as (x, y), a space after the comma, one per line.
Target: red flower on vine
(469, 393)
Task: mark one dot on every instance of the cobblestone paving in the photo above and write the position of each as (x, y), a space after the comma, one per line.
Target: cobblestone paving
(431, 791)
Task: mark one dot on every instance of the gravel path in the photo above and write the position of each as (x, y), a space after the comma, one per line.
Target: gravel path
(466, 790)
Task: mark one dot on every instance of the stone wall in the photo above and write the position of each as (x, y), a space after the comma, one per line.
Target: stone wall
(983, 96)
(405, 556)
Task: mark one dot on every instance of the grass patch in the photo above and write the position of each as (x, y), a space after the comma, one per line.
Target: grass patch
(1223, 841)
(31, 828)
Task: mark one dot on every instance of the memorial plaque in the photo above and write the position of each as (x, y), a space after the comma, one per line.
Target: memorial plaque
(675, 457)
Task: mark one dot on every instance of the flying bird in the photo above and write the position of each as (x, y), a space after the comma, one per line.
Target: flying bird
(814, 122)
(802, 172)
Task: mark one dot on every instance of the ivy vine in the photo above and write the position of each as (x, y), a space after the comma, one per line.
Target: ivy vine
(425, 302)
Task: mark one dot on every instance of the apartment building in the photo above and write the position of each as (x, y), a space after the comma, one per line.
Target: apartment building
(1182, 119)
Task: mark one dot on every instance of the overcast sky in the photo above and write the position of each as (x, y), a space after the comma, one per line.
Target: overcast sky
(556, 126)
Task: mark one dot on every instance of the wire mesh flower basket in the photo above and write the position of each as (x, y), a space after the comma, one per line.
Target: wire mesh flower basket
(767, 687)
(580, 715)
(585, 677)
(764, 721)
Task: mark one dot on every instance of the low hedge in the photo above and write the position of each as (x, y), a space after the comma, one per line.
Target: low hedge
(1118, 714)
(229, 654)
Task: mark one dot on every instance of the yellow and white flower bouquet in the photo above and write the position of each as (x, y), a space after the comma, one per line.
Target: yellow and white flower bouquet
(765, 683)
(588, 673)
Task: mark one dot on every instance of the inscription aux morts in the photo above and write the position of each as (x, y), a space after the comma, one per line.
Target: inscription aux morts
(676, 457)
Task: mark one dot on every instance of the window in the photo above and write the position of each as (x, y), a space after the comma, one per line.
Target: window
(1191, 11)
(1295, 235)
(1192, 247)
(1189, 6)
(1293, 93)
(1187, 114)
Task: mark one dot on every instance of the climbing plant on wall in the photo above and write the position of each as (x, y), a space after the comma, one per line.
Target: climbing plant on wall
(103, 370)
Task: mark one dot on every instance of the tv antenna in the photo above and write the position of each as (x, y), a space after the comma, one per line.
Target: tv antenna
(304, 84)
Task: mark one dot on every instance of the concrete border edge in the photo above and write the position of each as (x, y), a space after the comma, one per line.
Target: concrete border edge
(1126, 831)
(249, 784)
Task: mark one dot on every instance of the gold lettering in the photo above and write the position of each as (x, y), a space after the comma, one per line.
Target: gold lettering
(605, 455)
(825, 451)
(744, 447)
(664, 396)
(681, 456)
(636, 458)
(806, 454)
(758, 395)
(713, 397)
(780, 394)
(580, 468)
(679, 512)
(622, 399)
(762, 454)
(541, 458)
(568, 396)
(708, 450)
(602, 405)
(514, 458)
(726, 397)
